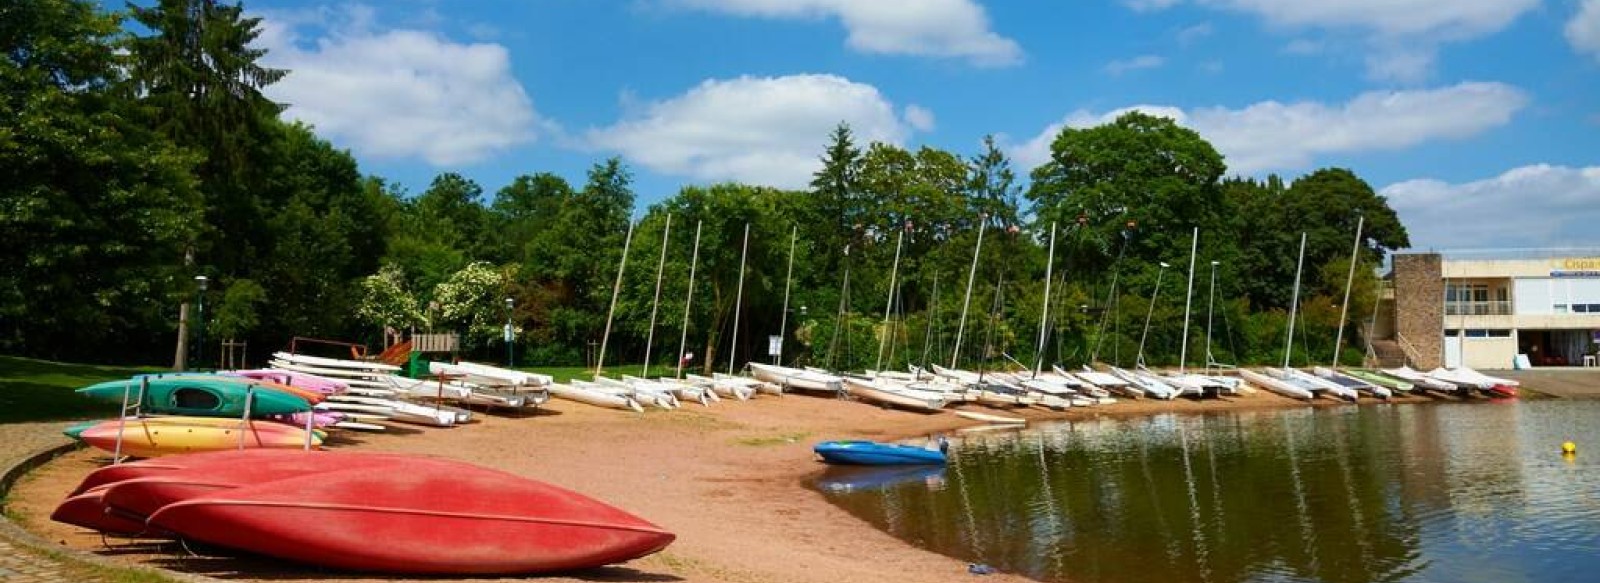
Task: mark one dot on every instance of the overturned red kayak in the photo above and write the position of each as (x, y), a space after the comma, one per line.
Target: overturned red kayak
(89, 510)
(141, 497)
(426, 519)
(159, 466)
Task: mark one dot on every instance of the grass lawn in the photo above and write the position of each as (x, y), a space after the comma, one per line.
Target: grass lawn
(41, 390)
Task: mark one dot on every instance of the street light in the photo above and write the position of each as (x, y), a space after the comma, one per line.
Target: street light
(510, 336)
(200, 336)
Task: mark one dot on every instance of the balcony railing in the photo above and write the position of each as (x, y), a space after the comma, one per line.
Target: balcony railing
(1489, 308)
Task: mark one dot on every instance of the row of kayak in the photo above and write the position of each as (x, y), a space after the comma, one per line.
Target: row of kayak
(384, 513)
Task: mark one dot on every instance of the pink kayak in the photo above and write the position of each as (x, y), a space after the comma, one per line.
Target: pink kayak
(302, 380)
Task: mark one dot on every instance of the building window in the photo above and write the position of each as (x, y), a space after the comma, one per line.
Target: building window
(1586, 308)
(1561, 308)
(1488, 333)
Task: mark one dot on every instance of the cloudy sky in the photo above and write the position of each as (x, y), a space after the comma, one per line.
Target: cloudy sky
(1479, 119)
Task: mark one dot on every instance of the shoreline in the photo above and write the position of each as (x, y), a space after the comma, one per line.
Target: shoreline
(731, 480)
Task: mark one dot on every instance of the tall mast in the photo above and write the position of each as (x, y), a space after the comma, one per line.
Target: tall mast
(688, 300)
(783, 322)
(972, 272)
(1138, 360)
(661, 266)
(894, 274)
(1294, 302)
(1211, 307)
(738, 303)
(1044, 316)
(616, 289)
(1344, 308)
(933, 312)
(1183, 353)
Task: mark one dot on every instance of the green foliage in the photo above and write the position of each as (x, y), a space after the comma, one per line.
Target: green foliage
(133, 160)
(387, 302)
(236, 315)
(472, 301)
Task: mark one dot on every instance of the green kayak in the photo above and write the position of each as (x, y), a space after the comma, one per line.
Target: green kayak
(1379, 379)
(199, 396)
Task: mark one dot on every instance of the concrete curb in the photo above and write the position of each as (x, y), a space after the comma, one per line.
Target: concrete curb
(21, 537)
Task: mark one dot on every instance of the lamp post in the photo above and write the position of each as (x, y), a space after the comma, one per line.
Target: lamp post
(200, 335)
(511, 337)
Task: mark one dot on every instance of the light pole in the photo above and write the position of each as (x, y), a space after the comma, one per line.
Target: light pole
(1139, 360)
(511, 337)
(200, 335)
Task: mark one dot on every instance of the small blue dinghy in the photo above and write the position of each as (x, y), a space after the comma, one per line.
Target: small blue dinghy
(872, 453)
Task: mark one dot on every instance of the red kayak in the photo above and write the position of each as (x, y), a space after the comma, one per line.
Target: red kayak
(441, 519)
(173, 463)
(141, 497)
(89, 510)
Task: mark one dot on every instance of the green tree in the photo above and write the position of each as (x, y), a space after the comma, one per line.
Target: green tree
(387, 301)
(198, 81)
(471, 301)
(1142, 169)
(993, 185)
(238, 312)
(97, 207)
(834, 213)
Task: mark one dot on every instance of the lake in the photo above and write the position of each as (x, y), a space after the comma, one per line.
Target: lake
(1435, 492)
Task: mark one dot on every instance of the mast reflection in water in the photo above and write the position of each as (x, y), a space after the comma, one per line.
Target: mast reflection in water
(1448, 492)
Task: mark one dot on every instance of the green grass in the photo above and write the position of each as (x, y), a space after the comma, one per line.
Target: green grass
(41, 390)
(770, 440)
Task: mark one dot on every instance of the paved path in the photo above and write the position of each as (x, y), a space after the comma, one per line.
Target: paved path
(18, 562)
(1568, 383)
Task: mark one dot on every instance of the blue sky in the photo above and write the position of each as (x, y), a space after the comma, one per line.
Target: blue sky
(1480, 119)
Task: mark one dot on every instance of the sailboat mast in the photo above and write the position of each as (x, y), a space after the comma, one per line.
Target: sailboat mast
(1138, 360)
(688, 301)
(1344, 308)
(1294, 302)
(661, 266)
(972, 272)
(783, 321)
(1211, 307)
(616, 289)
(1188, 296)
(933, 312)
(1044, 316)
(894, 274)
(738, 302)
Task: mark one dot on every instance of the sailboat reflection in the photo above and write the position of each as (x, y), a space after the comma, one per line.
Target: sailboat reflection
(850, 479)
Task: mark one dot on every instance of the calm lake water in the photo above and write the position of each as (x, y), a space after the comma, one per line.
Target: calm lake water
(1446, 492)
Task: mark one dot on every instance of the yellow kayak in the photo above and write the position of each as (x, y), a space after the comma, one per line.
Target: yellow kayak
(158, 436)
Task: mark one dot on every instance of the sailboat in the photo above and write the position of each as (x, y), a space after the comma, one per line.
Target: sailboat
(1277, 380)
(1294, 376)
(1330, 372)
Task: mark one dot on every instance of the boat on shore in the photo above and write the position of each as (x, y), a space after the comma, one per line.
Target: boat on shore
(873, 453)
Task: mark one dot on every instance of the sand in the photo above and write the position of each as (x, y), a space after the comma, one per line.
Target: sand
(730, 480)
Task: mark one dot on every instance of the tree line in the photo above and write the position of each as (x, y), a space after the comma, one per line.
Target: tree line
(137, 152)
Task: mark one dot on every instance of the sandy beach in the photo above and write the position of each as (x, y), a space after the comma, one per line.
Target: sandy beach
(730, 480)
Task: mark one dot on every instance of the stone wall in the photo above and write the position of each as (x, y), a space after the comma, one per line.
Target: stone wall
(1419, 306)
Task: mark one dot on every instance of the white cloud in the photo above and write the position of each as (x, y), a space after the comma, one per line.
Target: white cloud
(1532, 206)
(1189, 35)
(396, 93)
(761, 130)
(1583, 31)
(919, 117)
(1270, 135)
(1121, 66)
(935, 28)
(1404, 34)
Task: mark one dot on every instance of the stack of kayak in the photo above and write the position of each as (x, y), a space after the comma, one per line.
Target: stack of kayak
(460, 384)
(381, 513)
(199, 413)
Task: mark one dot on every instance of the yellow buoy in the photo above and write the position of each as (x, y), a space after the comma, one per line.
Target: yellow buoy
(1569, 448)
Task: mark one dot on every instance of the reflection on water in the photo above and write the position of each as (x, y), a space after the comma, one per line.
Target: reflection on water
(1449, 492)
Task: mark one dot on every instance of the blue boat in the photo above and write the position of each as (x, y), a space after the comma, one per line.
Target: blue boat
(872, 453)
